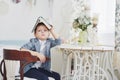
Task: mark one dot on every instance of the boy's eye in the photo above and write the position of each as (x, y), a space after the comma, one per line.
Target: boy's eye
(39, 30)
(45, 30)
(42, 30)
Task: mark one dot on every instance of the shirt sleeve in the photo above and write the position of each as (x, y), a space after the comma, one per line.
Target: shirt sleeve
(29, 45)
(56, 42)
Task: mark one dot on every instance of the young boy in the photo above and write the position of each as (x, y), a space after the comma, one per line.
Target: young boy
(40, 47)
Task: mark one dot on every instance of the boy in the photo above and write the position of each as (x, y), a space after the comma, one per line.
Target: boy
(40, 47)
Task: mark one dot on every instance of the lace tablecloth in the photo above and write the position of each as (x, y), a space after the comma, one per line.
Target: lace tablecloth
(87, 62)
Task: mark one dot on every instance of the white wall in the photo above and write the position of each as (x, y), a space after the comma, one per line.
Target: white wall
(106, 25)
(20, 18)
(62, 12)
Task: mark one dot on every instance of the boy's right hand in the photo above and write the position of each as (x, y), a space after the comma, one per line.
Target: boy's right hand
(40, 56)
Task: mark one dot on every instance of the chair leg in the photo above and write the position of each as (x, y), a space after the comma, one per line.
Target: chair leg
(4, 78)
(21, 70)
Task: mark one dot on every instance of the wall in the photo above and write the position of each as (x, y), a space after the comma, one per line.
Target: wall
(17, 22)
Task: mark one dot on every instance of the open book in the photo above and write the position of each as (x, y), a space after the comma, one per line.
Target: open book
(39, 20)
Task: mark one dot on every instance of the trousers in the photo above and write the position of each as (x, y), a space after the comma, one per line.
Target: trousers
(41, 74)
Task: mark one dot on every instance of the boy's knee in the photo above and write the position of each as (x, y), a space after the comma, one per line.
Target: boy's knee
(43, 78)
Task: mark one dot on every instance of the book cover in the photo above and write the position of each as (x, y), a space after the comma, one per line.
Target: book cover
(41, 19)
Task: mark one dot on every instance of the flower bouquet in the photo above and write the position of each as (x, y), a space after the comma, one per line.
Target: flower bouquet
(82, 23)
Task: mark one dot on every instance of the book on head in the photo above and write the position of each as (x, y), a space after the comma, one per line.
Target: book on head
(41, 19)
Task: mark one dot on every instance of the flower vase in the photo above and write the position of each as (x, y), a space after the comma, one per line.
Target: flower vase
(83, 37)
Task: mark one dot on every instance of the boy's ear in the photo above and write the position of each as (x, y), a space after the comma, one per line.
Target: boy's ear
(49, 34)
(34, 34)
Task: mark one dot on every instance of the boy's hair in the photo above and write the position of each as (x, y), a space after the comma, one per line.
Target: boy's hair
(39, 24)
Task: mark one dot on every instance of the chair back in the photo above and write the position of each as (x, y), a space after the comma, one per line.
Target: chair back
(23, 56)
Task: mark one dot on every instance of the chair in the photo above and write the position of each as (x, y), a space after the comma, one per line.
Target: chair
(23, 56)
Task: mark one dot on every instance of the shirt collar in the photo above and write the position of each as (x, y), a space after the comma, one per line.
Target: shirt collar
(42, 42)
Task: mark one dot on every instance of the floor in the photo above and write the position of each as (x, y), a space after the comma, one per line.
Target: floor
(117, 73)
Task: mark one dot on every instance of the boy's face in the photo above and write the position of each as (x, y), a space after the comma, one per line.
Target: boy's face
(42, 32)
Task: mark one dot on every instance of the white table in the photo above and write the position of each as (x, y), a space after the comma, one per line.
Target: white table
(89, 62)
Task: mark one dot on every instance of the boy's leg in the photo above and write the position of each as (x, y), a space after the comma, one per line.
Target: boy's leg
(55, 75)
(34, 73)
(52, 74)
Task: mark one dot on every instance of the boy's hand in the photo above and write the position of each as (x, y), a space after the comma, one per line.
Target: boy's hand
(34, 53)
(40, 56)
(51, 29)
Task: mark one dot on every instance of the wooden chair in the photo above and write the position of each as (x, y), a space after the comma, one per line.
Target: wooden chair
(23, 56)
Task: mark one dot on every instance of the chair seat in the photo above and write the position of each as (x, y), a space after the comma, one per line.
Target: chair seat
(26, 78)
(50, 78)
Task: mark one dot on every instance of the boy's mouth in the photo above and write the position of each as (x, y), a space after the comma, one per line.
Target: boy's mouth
(43, 35)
